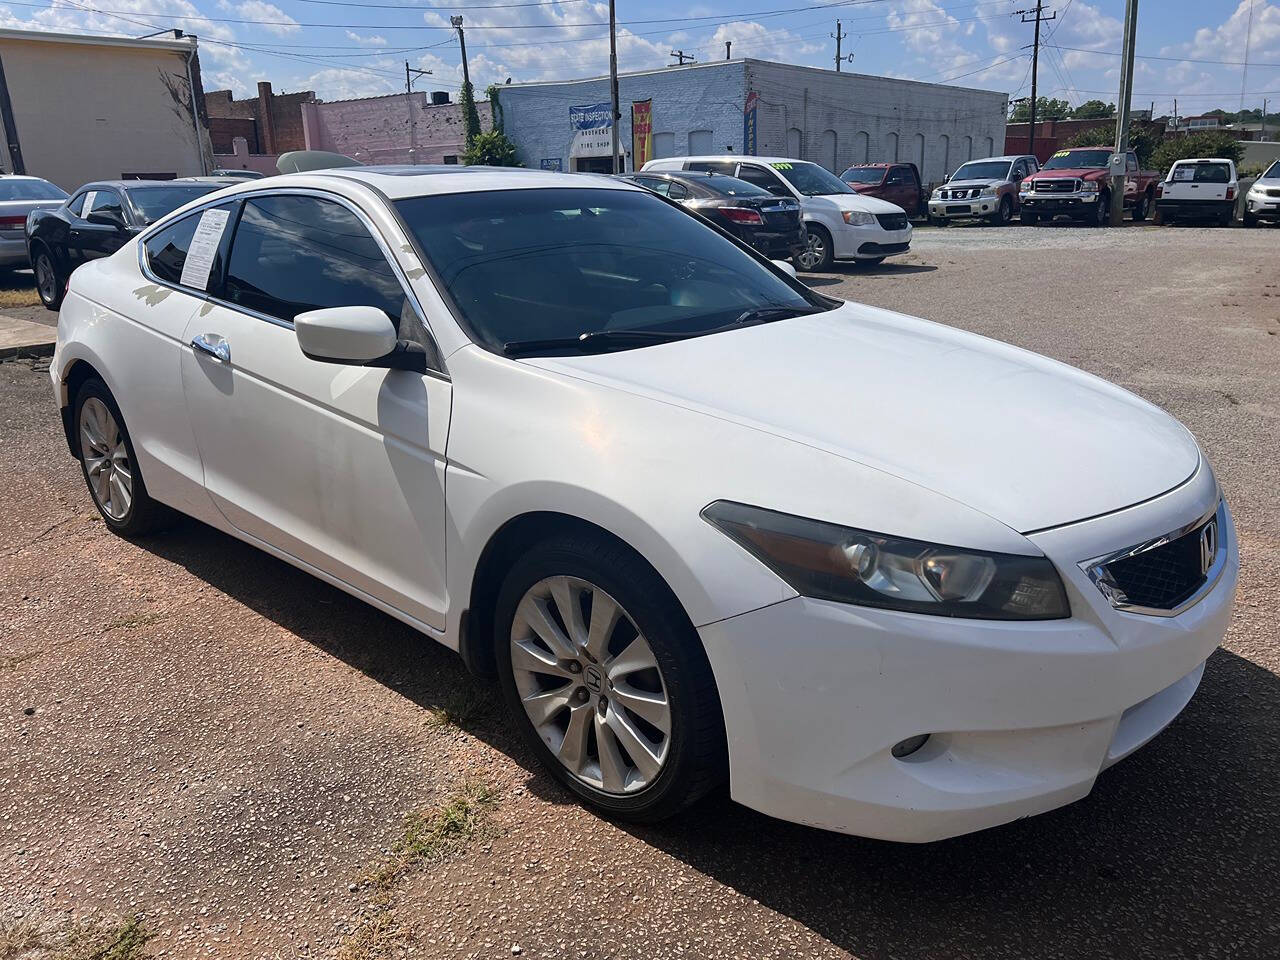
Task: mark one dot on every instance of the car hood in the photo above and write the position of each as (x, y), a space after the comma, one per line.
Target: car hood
(966, 184)
(1266, 183)
(855, 201)
(1026, 440)
(1082, 172)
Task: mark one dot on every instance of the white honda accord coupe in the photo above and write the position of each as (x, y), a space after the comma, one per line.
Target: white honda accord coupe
(704, 524)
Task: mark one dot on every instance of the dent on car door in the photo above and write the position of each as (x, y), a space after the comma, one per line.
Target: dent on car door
(339, 465)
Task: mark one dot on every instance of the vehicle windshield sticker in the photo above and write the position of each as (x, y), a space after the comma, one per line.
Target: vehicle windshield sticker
(204, 245)
(1184, 172)
(780, 166)
(88, 203)
(1062, 153)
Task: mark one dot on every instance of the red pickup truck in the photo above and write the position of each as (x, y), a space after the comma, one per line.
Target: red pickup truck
(895, 182)
(1077, 183)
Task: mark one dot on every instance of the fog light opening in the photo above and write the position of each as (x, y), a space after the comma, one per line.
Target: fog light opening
(905, 748)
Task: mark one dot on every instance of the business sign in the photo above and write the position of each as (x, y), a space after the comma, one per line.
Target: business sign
(641, 133)
(552, 163)
(592, 126)
(749, 124)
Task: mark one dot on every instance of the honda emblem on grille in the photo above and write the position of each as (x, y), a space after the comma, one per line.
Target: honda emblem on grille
(1208, 546)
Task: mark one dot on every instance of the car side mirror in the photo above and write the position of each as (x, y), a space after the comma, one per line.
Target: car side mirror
(359, 336)
(786, 268)
(106, 220)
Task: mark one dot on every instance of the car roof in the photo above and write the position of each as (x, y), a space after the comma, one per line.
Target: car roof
(400, 182)
(683, 174)
(1005, 159)
(130, 184)
(736, 157)
(1203, 160)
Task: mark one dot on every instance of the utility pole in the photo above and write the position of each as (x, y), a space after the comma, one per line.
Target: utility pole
(837, 37)
(1122, 119)
(613, 87)
(728, 46)
(1175, 114)
(682, 56)
(462, 42)
(1262, 134)
(1037, 16)
(408, 80)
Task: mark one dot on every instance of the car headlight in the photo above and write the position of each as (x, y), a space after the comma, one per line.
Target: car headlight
(832, 562)
(1089, 186)
(936, 195)
(988, 192)
(857, 218)
(1024, 186)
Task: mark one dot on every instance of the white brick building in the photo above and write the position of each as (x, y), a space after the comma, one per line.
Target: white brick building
(835, 119)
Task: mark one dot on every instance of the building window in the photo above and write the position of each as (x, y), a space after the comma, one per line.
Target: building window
(917, 153)
(664, 145)
(700, 142)
(967, 148)
(862, 147)
(945, 143)
(793, 143)
(891, 148)
(828, 154)
(450, 158)
(991, 147)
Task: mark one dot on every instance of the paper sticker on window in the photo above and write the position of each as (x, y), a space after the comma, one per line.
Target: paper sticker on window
(1184, 173)
(780, 166)
(204, 247)
(1062, 153)
(87, 206)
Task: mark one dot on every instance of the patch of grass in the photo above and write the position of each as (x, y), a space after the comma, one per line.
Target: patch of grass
(15, 297)
(90, 940)
(462, 708)
(123, 942)
(428, 838)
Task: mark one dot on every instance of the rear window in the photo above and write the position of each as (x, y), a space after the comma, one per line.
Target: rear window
(1201, 173)
(30, 190)
(863, 175)
(733, 187)
(152, 203)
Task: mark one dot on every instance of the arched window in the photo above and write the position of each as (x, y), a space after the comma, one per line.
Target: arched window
(967, 149)
(700, 142)
(827, 150)
(891, 148)
(917, 153)
(861, 147)
(664, 145)
(793, 143)
(945, 143)
(991, 147)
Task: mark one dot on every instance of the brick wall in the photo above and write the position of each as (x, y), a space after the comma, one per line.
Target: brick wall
(224, 130)
(401, 128)
(277, 118)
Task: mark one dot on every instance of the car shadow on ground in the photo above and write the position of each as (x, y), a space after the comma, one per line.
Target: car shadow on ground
(844, 269)
(1172, 855)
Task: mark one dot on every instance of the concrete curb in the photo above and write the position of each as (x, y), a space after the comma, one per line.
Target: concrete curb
(25, 352)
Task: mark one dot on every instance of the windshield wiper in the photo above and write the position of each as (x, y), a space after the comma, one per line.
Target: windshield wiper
(766, 315)
(594, 339)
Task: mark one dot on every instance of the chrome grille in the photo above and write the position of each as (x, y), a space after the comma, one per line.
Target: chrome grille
(1057, 186)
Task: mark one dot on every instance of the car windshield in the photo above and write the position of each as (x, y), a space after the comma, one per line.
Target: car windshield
(863, 175)
(731, 186)
(983, 170)
(590, 267)
(29, 190)
(152, 203)
(1078, 160)
(811, 179)
(1273, 172)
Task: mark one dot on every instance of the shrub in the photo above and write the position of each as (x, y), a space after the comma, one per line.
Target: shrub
(1207, 143)
(491, 149)
(1142, 140)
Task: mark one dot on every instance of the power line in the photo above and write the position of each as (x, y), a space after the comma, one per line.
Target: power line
(1147, 56)
(1038, 18)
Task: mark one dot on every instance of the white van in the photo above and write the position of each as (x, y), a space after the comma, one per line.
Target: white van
(841, 223)
(1199, 189)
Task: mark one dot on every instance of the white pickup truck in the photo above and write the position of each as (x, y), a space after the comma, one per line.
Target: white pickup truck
(1199, 189)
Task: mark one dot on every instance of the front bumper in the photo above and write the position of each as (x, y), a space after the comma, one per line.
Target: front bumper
(1075, 204)
(1264, 207)
(964, 209)
(870, 241)
(1022, 717)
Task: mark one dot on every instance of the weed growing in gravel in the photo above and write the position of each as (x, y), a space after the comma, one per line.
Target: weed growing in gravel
(462, 708)
(82, 941)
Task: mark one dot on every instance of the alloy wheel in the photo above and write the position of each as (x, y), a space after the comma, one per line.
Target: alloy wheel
(46, 278)
(106, 459)
(591, 685)
(814, 253)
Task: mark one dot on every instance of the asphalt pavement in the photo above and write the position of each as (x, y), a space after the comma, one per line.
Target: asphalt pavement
(212, 750)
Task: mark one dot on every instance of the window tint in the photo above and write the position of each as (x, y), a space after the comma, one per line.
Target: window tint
(76, 203)
(713, 166)
(1202, 173)
(152, 203)
(898, 176)
(107, 202)
(292, 254)
(763, 178)
(734, 187)
(678, 191)
(16, 189)
(656, 184)
(167, 248)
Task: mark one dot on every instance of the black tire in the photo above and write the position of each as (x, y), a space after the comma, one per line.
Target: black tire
(1168, 218)
(1225, 218)
(818, 238)
(1100, 216)
(697, 757)
(1029, 218)
(1004, 214)
(50, 284)
(1141, 207)
(143, 515)
(1249, 219)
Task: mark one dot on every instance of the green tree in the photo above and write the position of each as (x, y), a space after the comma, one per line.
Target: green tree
(1206, 143)
(491, 149)
(1143, 140)
(495, 106)
(470, 115)
(1046, 109)
(1093, 109)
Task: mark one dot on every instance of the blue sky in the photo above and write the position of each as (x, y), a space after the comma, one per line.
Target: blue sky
(347, 48)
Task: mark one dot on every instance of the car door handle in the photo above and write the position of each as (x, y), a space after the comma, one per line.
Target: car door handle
(212, 344)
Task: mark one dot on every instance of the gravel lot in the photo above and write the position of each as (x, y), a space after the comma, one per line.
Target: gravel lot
(224, 751)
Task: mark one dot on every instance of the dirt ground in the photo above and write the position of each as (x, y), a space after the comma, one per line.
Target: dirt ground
(210, 754)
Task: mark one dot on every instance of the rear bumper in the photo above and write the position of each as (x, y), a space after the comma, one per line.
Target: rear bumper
(1196, 208)
(776, 245)
(13, 252)
(1021, 717)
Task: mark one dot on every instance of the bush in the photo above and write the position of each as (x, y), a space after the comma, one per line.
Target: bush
(1208, 143)
(470, 115)
(491, 149)
(1142, 140)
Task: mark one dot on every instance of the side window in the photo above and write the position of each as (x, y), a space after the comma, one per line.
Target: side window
(656, 184)
(896, 176)
(167, 249)
(677, 191)
(712, 166)
(291, 254)
(1019, 170)
(1033, 166)
(75, 203)
(763, 178)
(1131, 162)
(107, 202)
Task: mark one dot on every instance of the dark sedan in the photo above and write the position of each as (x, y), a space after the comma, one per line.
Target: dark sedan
(96, 221)
(755, 216)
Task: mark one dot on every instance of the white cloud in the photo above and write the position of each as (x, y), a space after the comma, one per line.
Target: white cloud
(367, 41)
(281, 23)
